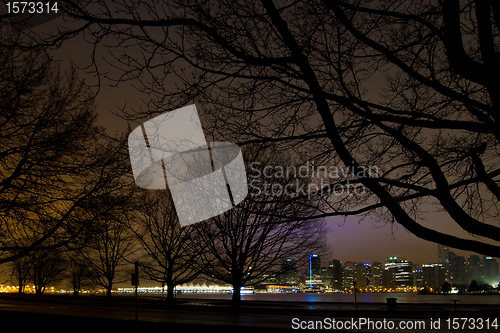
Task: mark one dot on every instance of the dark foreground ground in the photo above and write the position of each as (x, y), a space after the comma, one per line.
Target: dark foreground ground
(97, 314)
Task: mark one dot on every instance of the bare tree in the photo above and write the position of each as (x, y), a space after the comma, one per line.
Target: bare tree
(20, 273)
(77, 273)
(407, 86)
(46, 266)
(109, 243)
(56, 164)
(173, 255)
(249, 243)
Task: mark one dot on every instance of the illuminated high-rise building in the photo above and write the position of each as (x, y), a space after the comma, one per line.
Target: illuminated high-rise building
(444, 259)
(398, 272)
(474, 268)
(289, 272)
(362, 274)
(418, 277)
(434, 275)
(490, 270)
(458, 269)
(443, 254)
(336, 273)
(348, 275)
(314, 270)
(376, 278)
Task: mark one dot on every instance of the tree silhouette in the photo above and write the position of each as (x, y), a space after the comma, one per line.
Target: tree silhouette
(474, 286)
(77, 272)
(485, 287)
(46, 266)
(20, 273)
(250, 243)
(408, 86)
(56, 164)
(109, 243)
(446, 287)
(172, 255)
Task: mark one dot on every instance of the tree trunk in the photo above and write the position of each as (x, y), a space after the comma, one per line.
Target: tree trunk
(170, 291)
(77, 286)
(21, 288)
(108, 291)
(236, 293)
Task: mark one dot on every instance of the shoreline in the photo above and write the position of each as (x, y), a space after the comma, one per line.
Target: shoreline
(153, 313)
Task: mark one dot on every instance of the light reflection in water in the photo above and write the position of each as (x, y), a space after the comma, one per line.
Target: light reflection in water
(361, 297)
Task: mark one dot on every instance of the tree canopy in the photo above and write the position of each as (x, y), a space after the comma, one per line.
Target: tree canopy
(407, 86)
(56, 165)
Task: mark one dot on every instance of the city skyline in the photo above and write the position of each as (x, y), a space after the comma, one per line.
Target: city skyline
(398, 272)
(436, 260)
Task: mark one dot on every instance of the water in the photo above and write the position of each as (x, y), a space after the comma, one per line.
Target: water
(361, 298)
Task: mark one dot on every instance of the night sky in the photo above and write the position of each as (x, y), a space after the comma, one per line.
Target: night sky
(352, 240)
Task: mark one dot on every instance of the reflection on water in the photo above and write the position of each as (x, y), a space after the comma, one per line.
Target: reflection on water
(361, 298)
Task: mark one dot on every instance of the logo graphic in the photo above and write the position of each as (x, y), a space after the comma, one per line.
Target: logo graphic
(205, 179)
